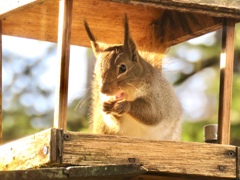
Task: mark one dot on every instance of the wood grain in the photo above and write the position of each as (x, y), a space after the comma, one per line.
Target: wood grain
(10, 7)
(175, 27)
(198, 159)
(27, 152)
(238, 163)
(65, 20)
(118, 172)
(105, 21)
(1, 59)
(82, 154)
(219, 8)
(226, 77)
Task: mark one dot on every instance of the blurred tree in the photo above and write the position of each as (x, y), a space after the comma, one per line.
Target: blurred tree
(201, 62)
(26, 107)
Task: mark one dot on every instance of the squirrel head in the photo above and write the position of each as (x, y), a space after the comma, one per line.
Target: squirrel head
(119, 66)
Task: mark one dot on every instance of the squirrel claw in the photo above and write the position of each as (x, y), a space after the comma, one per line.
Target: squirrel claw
(116, 107)
(121, 107)
(107, 106)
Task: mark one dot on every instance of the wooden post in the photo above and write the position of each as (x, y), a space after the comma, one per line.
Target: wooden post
(1, 58)
(64, 37)
(226, 75)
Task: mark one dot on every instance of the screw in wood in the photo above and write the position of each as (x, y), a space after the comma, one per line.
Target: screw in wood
(132, 160)
(45, 150)
(221, 168)
(66, 137)
(231, 153)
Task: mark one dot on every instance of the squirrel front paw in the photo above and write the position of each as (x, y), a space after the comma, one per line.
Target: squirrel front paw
(116, 107)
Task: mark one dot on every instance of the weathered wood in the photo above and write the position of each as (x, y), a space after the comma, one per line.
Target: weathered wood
(197, 159)
(175, 27)
(238, 162)
(219, 8)
(28, 152)
(116, 172)
(105, 20)
(56, 144)
(226, 76)
(158, 158)
(75, 172)
(64, 37)
(1, 58)
(8, 8)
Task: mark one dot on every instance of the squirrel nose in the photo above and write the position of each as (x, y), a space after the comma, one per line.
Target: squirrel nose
(105, 89)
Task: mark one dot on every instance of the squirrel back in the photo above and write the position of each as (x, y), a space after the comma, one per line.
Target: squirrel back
(131, 97)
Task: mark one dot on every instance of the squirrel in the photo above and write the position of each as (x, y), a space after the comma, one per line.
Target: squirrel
(130, 97)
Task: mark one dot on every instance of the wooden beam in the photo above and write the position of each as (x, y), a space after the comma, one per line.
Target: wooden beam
(53, 147)
(179, 158)
(75, 172)
(108, 25)
(226, 76)
(1, 59)
(28, 152)
(210, 8)
(8, 8)
(238, 162)
(174, 27)
(103, 172)
(64, 37)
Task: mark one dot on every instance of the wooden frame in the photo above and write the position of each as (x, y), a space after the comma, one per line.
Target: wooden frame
(226, 76)
(227, 9)
(54, 147)
(94, 153)
(10, 7)
(1, 81)
(43, 24)
(64, 37)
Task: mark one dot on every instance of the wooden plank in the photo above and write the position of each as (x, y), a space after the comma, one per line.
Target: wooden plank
(8, 8)
(27, 152)
(1, 59)
(64, 37)
(115, 156)
(174, 177)
(75, 172)
(106, 23)
(208, 7)
(196, 159)
(185, 26)
(226, 76)
(116, 172)
(238, 163)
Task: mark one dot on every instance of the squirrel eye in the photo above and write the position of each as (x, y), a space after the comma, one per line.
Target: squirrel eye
(122, 69)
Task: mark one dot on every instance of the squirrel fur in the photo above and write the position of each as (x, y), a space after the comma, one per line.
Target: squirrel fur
(131, 97)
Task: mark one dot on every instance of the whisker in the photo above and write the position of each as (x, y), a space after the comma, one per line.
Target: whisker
(132, 85)
(120, 88)
(82, 100)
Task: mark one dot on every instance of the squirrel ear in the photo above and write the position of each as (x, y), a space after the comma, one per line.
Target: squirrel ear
(95, 46)
(129, 44)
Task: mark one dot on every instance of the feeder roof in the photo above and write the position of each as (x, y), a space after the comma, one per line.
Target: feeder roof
(152, 22)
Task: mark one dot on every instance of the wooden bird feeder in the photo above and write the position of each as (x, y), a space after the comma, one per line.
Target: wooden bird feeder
(59, 154)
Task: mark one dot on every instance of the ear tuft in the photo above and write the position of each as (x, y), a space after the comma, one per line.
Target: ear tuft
(95, 46)
(129, 45)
